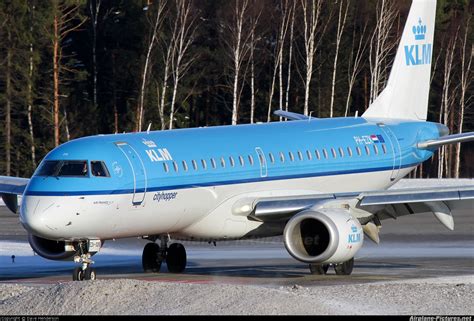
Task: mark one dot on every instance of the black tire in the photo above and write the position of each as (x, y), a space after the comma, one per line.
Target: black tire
(90, 274)
(318, 269)
(78, 274)
(176, 258)
(345, 268)
(150, 258)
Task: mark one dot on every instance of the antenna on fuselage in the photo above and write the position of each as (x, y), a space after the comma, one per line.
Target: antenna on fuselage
(310, 114)
(356, 114)
(148, 129)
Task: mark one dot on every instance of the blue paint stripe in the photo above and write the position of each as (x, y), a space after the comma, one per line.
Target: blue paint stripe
(231, 182)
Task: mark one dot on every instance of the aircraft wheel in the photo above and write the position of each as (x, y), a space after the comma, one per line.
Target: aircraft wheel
(150, 258)
(90, 274)
(78, 274)
(318, 269)
(176, 258)
(345, 268)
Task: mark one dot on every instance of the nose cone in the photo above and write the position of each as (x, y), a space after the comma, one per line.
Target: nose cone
(31, 219)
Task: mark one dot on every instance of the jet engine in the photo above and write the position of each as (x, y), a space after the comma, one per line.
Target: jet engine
(322, 236)
(56, 250)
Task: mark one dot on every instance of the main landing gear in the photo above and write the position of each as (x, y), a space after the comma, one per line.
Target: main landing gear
(84, 271)
(344, 268)
(154, 255)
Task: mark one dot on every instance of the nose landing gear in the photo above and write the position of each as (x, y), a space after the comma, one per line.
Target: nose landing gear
(84, 271)
(154, 255)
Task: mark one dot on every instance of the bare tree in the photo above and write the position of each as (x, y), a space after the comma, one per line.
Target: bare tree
(29, 92)
(341, 23)
(311, 15)
(290, 54)
(447, 98)
(66, 19)
(239, 49)
(94, 9)
(184, 38)
(355, 63)
(8, 103)
(168, 49)
(466, 79)
(153, 38)
(381, 46)
(285, 8)
(252, 76)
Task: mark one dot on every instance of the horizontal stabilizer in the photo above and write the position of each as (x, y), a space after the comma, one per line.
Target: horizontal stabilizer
(446, 140)
(290, 115)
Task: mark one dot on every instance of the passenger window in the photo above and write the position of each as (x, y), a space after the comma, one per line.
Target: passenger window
(300, 155)
(282, 157)
(204, 164)
(165, 166)
(232, 162)
(367, 150)
(99, 169)
(222, 162)
(349, 151)
(272, 159)
(241, 160)
(359, 152)
(341, 151)
(251, 160)
(175, 165)
(185, 166)
(292, 157)
(333, 151)
(325, 152)
(318, 155)
(195, 165)
(384, 148)
(308, 153)
(376, 150)
(213, 163)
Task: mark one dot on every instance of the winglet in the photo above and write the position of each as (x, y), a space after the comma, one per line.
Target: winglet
(290, 115)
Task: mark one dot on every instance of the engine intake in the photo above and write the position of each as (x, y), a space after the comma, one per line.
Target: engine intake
(55, 250)
(323, 236)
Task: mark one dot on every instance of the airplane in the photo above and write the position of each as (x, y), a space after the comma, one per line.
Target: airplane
(320, 183)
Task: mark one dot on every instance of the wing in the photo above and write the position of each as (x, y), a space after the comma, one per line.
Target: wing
(13, 185)
(10, 187)
(369, 207)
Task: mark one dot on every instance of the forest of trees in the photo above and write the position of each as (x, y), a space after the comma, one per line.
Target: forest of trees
(71, 68)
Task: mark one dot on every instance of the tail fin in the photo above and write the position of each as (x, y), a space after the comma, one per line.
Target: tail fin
(407, 91)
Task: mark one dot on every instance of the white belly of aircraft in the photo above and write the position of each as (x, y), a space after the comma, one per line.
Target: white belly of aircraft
(204, 213)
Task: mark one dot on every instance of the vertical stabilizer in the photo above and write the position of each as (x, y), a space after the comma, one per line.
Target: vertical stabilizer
(407, 91)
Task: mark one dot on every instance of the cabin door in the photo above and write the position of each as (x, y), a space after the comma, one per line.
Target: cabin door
(263, 162)
(396, 150)
(138, 172)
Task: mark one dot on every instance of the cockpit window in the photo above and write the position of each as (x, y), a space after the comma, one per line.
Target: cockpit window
(99, 169)
(64, 168)
(73, 168)
(49, 168)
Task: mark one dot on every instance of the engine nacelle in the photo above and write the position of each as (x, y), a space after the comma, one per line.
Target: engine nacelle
(321, 236)
(56, 250)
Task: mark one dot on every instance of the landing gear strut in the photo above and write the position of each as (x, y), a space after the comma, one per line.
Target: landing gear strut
(344, 268)
(154, 255)
(83, 272)
(318, 269)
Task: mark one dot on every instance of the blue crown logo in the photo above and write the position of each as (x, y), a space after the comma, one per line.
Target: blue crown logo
(354, 229)
(420, 30)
